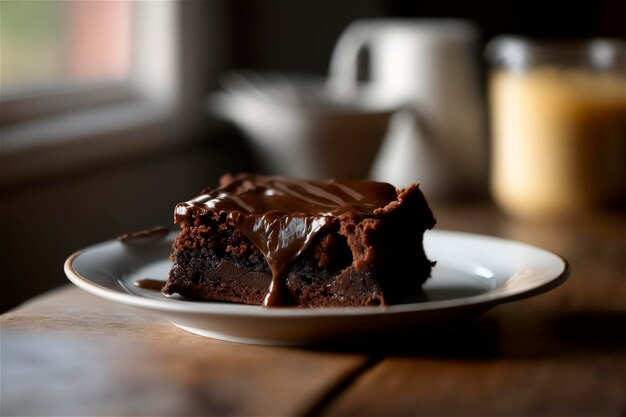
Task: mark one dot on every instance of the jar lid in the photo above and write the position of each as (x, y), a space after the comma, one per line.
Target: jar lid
(519, 53)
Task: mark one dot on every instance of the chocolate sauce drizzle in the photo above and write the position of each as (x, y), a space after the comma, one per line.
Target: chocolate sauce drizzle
(150, 284)
(144, 236)
(282, 216)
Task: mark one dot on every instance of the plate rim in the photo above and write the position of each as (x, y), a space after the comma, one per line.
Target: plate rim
(231, 309)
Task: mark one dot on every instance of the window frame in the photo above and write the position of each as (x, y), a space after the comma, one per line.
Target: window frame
(61, 98)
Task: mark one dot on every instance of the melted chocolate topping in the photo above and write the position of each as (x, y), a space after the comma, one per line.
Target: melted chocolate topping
(281, 216)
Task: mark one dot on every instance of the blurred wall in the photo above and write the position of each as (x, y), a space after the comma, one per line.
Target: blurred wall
(300, 35)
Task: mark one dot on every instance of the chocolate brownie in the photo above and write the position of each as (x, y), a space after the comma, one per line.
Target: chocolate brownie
(279, 241)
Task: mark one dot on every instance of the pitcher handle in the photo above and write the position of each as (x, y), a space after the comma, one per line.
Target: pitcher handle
(343, 69)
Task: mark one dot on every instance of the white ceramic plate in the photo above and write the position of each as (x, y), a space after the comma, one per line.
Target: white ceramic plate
(473, 274)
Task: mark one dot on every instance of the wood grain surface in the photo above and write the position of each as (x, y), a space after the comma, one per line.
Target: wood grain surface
(559, 354)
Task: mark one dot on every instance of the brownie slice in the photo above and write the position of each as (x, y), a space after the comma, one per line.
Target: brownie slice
(278, 241)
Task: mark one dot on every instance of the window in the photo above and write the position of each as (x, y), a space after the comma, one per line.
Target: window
(64, 106)
(46, 42)
(59, 55)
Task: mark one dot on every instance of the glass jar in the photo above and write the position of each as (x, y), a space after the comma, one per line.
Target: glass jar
(558, 125)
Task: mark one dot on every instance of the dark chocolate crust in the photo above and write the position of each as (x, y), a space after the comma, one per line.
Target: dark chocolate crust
(357, 259)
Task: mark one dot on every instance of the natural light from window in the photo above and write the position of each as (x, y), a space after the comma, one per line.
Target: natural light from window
(55, 44)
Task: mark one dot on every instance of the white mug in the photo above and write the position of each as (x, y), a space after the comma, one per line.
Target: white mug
(428, 68)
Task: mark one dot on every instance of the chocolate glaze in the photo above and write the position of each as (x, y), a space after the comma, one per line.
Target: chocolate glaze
(150, 284)
(281, 216)
(144, 236)
(256, 194)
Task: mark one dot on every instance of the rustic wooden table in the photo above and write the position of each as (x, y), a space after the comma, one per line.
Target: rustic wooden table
(559, 354)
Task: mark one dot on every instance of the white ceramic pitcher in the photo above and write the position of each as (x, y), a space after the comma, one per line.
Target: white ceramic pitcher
(429, 68)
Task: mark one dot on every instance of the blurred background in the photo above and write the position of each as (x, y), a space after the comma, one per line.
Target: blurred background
(110, 113)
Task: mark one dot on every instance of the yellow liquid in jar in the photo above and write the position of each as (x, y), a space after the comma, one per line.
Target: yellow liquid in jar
(559, 140)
